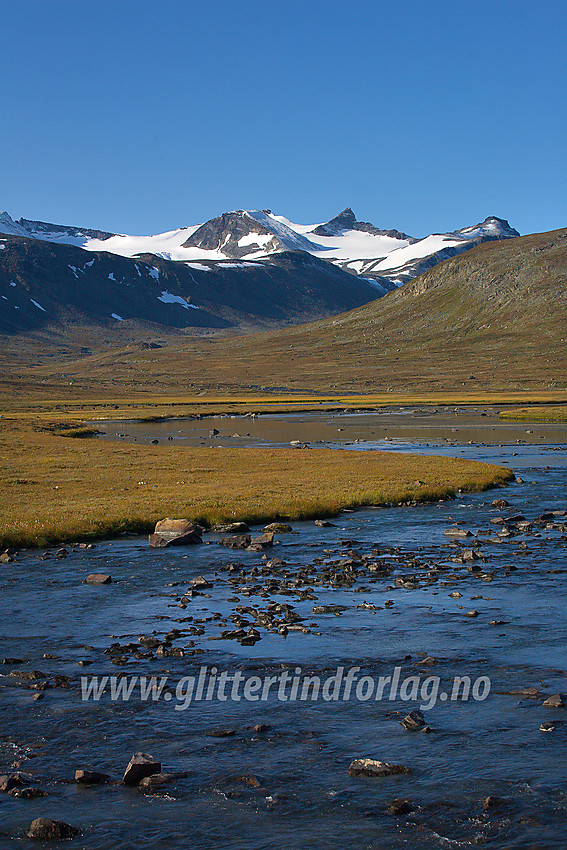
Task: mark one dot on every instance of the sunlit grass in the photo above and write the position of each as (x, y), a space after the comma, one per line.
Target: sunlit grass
(55, 489)
(536, 414)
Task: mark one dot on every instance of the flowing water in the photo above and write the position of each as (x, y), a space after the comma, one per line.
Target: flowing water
(272, 773)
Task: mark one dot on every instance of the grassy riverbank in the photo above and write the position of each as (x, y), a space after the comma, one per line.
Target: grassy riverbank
(56, 489)
(536, 414)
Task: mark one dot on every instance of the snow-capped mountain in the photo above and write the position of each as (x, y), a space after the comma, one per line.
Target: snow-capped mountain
(386, 257)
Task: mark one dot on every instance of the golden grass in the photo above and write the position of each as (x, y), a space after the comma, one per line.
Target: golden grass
(154, 407)
(56, 490)
(536, 414)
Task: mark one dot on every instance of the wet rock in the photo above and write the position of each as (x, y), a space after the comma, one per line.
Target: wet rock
(232, 528)
(329, 609)
(140, 766)
(265, 541)
(158, 780)
(45, 829)
(200, 583)
(548, 726)
(27, 793)
(9, 782)
(455, 594)
(323, 523)
(278, 528)
(500, 503)
(471, 614)
(524, 692)
(175, 532)
(375, 768)
(5, 558)
(413, 721)
(491, 802)
(239, 541)
(457, 532)
(149, 642)
(221, 733)
(98, 578)
(555, 701)
(214, 432)
(399, 807)
(90, 777)
(429, 660)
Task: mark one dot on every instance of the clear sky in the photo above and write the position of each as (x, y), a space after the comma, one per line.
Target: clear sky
(140, 116)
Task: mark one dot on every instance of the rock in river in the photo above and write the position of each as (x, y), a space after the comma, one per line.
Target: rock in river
(90, 777)
(413, 721)
(140, 766)
(45, 829)
(98, 578)
(175, 532)
(373, 767)
(239, 541)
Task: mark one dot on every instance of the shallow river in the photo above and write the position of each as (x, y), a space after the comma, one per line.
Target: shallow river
(285, 784)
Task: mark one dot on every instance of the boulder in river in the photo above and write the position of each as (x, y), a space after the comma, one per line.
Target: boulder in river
(278, 528)
(140, 766)
(324, 523)
(45, 829)
(373, 767)
(555, 701)
(175, 532)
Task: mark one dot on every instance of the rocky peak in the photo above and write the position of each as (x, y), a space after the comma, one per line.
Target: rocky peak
(346, 220)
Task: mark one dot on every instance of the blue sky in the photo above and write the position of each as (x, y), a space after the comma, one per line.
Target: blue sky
(139, 116)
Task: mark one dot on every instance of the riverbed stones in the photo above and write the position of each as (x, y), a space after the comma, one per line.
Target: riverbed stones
(98, 578)
(140, 766)
(175, 532)
(278, 528)
(324, 523)
(45, 829)
(555, 701)
(375, 768)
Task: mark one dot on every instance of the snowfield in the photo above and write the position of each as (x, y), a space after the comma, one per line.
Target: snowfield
(356, 250)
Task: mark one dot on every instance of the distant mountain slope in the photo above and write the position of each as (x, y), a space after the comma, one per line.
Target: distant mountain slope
(492, 318)
(43, 284)
(388, 257)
